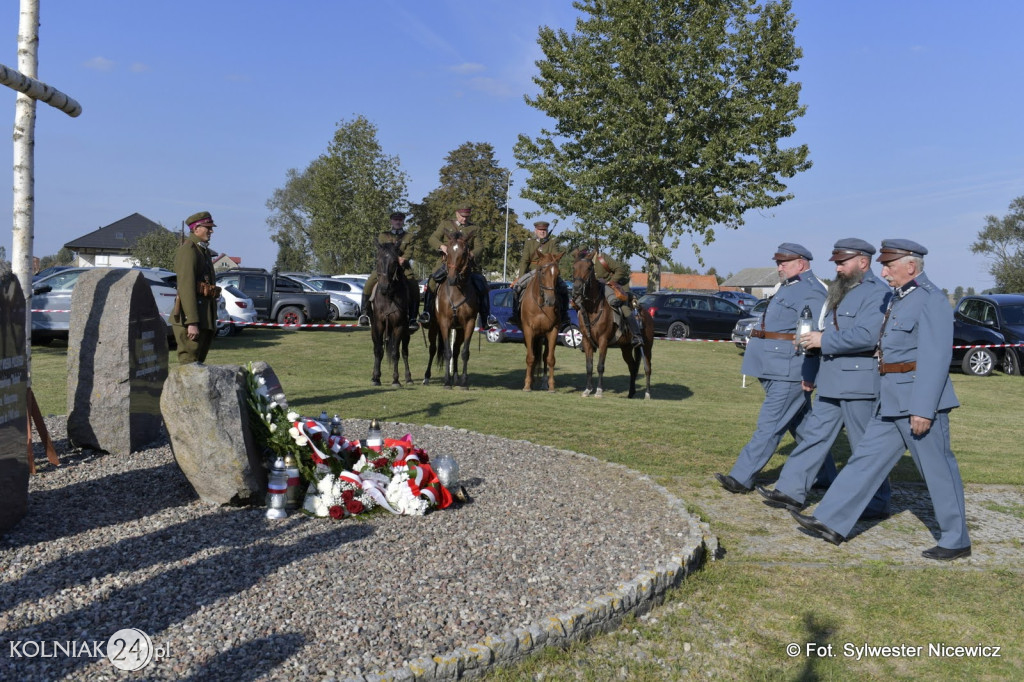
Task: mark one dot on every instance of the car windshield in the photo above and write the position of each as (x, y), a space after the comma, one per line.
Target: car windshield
(316, 284)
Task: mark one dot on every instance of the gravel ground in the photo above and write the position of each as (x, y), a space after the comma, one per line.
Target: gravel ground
(123, 542)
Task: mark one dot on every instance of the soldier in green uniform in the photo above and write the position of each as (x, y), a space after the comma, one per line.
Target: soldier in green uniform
(539, 245)
(396, 235)
(194, 318)
(439, 240)
(615, 277)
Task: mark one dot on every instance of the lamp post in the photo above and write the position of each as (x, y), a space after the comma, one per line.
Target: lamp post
(504, 267)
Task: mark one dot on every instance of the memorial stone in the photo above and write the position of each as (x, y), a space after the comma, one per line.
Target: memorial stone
(117, 362)
(206, 412)
(13, 404)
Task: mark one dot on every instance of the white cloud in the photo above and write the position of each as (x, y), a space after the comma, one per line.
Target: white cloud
(139, 67)
(493, 86)
(467, 68)
(100, 64)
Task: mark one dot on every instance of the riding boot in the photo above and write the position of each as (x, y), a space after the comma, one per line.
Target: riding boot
(634, 328)
(516, 306)
(414, 305)
(563, 304)
(484, 297)
(364, 310)
(428, 305)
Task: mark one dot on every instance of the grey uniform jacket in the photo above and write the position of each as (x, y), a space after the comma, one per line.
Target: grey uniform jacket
(919, 329)
(777, 358)
(847, 371)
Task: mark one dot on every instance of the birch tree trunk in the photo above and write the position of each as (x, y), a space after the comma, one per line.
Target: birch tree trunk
(24, 164)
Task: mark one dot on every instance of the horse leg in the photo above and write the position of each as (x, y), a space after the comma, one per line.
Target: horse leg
(552, 341)
(467, 335)
(589, 351)
(405, 357)
(393, 341)
(528, 340)
(631, 356)
(449, 356)
(602, 351)
(431, 352)
(648, 347)
(378, 356)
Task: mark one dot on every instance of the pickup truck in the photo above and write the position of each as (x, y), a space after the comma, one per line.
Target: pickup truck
(285, 302)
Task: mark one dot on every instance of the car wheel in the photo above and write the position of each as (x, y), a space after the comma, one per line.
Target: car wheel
(572, 336)
(978, 362)
(678, 330)
(290, 315)
(1011, 362)
(225, 330)
(495, 334)
(333, 314)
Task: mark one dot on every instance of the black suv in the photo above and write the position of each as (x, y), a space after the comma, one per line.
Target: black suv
(681, 315)
(996, 319)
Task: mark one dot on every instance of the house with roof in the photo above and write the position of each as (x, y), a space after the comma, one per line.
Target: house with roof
(224, 262)
(760, 282)
(111, 246)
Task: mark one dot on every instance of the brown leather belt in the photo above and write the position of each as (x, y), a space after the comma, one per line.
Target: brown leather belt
(758, 334)
(896, 367)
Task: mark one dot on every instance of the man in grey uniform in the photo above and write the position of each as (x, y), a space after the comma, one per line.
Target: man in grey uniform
(912, 412)
(847, 381)
(771, 357)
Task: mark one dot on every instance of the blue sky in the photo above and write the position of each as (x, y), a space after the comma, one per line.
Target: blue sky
(913, 113)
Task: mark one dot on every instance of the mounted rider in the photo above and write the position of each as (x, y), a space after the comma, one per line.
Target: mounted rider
(615, 278)
(395, 235)
(439, 241)
(540, 244)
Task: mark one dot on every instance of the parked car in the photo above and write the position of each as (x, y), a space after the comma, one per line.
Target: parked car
(501, 308)
(46, 272)
(740, 298)
(741, 332)
(346, 296)
(702, 316)
(986, 320)
(53, 293)
(281, 299)
(238, 308)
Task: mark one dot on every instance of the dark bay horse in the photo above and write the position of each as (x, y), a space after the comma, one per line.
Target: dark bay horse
(454, 319)
(390, 325)
(539, 316)
(600, 329)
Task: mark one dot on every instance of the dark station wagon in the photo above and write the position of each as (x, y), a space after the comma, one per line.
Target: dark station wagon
(682, 315)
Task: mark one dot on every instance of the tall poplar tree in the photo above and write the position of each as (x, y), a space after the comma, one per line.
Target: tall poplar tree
(471, 175)
(666, 113)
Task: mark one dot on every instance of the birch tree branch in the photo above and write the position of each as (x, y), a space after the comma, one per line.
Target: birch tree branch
(38, 90)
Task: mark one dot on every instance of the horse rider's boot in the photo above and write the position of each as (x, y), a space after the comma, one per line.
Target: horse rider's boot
(484, 296)
(634, 328)
(364, 310)
(428, 304)
(516, 308)
(563, 304)
(414, 305)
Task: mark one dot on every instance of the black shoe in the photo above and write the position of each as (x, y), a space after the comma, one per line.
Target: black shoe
(774, 498)
(818, 528)
(731, 484)
(869, 515)
(943, 554)
(413, 324)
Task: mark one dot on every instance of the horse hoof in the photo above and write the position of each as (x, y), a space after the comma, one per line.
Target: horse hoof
(647, 396)
(585, 393)
(527, 389)
(598, 393)
(375, 382)
(396, 384)
(426, 382)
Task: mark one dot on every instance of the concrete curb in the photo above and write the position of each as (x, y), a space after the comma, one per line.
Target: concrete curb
(601, 614)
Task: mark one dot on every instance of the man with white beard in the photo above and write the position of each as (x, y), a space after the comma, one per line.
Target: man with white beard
(847, 379)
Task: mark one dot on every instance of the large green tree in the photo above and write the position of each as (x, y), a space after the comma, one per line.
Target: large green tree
(668, 114)
(156, 249)
(1002, 242)
(471, 175)
(334, 209)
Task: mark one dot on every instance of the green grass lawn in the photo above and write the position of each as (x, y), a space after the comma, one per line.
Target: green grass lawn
(733, 618)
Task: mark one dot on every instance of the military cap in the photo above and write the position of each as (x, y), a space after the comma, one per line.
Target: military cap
(541, 225)
(894, 249)
(201, 219)
(397, 215)
(464, 209)
(790, 251)
(850, 247)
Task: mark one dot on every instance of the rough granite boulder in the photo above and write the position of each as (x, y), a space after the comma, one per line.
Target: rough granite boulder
(117, 362)
(207, 419)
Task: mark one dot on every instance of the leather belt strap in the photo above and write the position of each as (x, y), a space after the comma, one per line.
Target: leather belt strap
(761, 334)
(896, 367)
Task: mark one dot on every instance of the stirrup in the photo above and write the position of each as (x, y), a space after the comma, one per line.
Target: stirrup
(413, 324)
(492, 321)
(363, 321)
(424, 318)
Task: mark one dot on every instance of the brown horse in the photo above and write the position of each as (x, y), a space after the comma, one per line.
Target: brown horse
(600, 328)
(454, 316)
(390, 326)
(539, 317)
